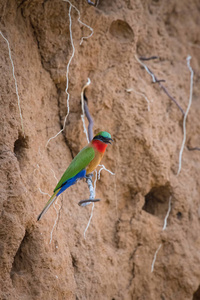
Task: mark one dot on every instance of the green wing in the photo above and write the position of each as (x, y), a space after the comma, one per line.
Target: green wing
(80, 161)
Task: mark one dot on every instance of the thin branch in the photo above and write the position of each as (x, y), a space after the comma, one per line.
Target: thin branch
(167, 215)
(148, 58)
(56, 220)
(89, 135)
(43, 193)
(146, 68)
(90, 120)
(84, 109)
(164, 227)
(104, 168)
(67, 76)
(172, 98)
(193, 149)
(70, 60)
(82, 23)
(140, 94)
(82, 202)
(93, 3)
(92, 196)
(88, 224)
(89, 182)
(92, 192)
(16, 86)
(154, 259)
(160, 80)
(186, 113)
(155, 80)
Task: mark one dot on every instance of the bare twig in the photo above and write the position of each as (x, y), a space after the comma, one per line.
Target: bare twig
(85, 112)
(67, 77)
(93, 3)
(172, 98)
(146, 68)
(155, 80)
(92, 193)
(154, 259)
(167, 215)
(70, 60)
(82, 202)
(89, 136)
(160, 80)
(56, 220)
(141, 94)
(186, 114)
(92, 196)
(83, 109)
(89, 182)
(90, 120)
(193, 149)
(88, 224)
(148, 58)
(82, 23)
(103, 168)
(16, 86)
(164, 227)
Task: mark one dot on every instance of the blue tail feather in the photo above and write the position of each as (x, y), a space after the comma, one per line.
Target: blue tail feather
(72, 181)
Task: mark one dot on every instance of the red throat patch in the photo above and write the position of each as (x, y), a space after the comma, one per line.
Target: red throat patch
(100, 146)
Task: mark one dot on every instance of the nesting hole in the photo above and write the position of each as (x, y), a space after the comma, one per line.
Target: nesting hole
(196, 295)
(74, 262)
(122, 31)
(20, 264)
(157, 201)
(179, 215)
(20, 146)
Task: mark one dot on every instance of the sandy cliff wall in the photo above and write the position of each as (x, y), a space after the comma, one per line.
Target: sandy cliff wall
(115, 259)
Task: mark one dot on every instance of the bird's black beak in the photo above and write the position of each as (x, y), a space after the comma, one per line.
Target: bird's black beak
(108, 140)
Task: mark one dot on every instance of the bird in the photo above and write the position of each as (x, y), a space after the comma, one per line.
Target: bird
(84, 163)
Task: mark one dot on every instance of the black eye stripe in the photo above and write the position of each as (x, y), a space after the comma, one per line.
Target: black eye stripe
(101, 136)
(98, 137)
(103, 139)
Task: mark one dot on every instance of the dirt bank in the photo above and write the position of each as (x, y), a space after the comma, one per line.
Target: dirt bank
(115, 259)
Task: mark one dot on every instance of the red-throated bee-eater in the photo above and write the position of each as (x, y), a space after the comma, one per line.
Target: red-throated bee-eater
(83, 163)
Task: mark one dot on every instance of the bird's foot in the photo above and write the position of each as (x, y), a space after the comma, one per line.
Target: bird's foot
(89, 176)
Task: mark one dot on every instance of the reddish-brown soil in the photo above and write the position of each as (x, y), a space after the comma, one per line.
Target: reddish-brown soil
(115, 259)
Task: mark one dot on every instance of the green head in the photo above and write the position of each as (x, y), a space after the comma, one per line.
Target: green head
(104, 137)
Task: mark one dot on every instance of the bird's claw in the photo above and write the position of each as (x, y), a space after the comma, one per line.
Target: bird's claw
(89, 176)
